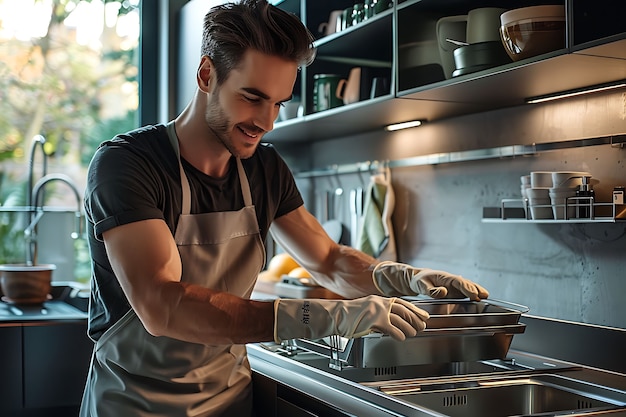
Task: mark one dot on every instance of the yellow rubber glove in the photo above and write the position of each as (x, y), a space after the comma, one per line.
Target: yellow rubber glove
(397, 279)
(315, 319)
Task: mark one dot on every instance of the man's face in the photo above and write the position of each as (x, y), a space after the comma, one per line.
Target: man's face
(244, 107)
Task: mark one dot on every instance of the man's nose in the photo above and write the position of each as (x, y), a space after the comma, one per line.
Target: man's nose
(266, 117)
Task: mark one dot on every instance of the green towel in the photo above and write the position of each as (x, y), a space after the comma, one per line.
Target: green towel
(376, 232)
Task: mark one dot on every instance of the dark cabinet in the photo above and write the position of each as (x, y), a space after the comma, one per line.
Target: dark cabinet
(56, 360)
(274, 399)
(11, 366)
(44, 367)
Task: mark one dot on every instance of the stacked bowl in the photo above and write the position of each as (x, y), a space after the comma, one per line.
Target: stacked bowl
(564, 185)
(538, 195)
(532, 31)
(549, 193)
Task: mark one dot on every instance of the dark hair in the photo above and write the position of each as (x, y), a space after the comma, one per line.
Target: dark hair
(232, 28)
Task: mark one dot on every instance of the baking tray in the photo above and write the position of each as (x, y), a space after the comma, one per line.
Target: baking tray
(458, 331)
(452, 313)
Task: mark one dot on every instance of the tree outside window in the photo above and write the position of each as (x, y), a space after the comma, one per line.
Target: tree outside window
(68, 72)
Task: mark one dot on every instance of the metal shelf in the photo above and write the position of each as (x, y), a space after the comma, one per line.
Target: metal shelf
(510, 214)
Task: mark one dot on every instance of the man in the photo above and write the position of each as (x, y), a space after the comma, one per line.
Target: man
(178, 214)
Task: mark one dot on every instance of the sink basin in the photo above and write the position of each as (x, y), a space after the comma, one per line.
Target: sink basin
(519, 396)
(370, 375)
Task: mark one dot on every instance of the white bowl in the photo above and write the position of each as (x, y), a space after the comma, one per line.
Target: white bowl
(541, 179)
(569, 179)
(525, 180)
(542, 193)
(540, 208)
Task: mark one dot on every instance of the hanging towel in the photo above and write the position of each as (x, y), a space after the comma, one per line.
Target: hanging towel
(376, 236)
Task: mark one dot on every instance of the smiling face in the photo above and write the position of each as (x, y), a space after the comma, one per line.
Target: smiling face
(243, 108)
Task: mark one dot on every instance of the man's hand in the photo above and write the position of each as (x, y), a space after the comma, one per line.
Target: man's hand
(315, 319)
(397, 279)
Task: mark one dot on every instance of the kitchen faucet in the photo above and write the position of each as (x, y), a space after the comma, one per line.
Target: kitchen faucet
(29, 232)
(37, 140)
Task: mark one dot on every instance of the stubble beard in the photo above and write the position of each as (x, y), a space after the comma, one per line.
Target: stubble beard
(219, 123)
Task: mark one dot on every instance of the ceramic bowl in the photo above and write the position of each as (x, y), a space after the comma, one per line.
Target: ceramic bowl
(568, 179)
(541, 179)
(558, 200)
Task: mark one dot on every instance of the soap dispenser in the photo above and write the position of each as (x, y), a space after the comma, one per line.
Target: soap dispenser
(584, 206)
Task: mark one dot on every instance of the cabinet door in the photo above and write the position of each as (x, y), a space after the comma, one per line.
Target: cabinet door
(56, 362)
(11, 365)
(286, 409)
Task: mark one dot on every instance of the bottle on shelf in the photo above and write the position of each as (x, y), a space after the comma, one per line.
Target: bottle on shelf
(584, 205)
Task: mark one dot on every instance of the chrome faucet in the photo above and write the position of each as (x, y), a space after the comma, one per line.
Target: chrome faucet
(30, 231)
(38, 140)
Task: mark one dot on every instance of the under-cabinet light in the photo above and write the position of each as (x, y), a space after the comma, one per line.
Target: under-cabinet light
(404, 125)
(577, 92)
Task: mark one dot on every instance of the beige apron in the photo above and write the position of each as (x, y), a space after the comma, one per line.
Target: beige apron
(136, 374)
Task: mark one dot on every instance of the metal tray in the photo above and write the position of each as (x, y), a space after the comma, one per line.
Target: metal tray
(430, 346)
(457, 331)
(453, 313)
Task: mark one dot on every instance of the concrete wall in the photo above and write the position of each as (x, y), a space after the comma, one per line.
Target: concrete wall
(573, 272)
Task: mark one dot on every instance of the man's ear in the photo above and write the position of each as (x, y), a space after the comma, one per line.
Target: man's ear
(206, 74)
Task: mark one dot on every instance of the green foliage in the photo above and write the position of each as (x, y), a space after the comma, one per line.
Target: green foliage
(12, 223)
(106, 130)
(74, 95)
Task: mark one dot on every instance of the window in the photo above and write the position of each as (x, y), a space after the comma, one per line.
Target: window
(68, 72)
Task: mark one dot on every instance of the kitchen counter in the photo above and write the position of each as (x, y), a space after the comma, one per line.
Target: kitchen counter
(298, 383)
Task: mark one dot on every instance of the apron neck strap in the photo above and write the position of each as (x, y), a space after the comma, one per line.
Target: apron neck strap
(245, 186)
(184, 182)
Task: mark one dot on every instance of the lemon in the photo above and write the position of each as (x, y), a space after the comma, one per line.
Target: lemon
(282, 264)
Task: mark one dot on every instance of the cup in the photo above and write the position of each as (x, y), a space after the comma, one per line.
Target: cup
(333, 25)
(324, 92)
(380, 87)
(483, 24)
(349, 90)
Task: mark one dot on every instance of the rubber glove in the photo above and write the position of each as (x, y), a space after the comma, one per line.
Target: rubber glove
(397, 279)
(315, 319)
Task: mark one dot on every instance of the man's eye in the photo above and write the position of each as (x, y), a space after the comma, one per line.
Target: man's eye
(252, 99)
(281, 104)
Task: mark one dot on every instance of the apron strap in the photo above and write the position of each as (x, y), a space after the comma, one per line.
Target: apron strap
(245, 186)
(184, 182)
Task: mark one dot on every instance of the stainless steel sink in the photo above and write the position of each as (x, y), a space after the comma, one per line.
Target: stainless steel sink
(542, 394)
(369, 375)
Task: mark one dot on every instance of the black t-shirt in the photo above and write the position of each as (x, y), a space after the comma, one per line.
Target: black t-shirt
(135, 176)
